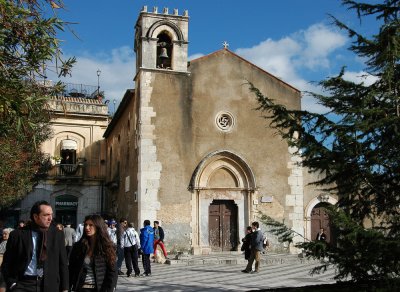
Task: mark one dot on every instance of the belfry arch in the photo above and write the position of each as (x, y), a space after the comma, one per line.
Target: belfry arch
(222, 187)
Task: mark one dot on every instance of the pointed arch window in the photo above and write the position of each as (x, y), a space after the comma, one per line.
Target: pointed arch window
(164, 51)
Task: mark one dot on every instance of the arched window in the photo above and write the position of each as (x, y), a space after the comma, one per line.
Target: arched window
(164, 51)
(68, 151)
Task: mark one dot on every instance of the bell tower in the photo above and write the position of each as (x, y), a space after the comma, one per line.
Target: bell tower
(161, 47)
(161, 40)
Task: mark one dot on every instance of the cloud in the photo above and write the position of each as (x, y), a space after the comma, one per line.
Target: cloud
(290, 58)
(359, 77)
(293, 57)
(195, 56)
(319, 41)
(274, 56)
(117, 72)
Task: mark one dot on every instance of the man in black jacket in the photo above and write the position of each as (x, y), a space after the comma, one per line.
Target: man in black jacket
(35, 257)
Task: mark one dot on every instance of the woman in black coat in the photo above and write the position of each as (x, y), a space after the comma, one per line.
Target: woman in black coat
(92, 263)
(246, 243)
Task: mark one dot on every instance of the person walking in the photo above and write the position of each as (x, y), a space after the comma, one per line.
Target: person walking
(256, 245)
(69, 234)
(5, 235)
(92, 263)
(112, 232)
(246, 243)
(35, 258)
(131, 244)
(159, 239)
(147, 243)
(120, 251)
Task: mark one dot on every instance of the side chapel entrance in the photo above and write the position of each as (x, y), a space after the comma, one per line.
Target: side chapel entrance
(320, 219)
(223, 225)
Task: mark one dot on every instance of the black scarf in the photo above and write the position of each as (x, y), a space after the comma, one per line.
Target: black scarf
(41, 245)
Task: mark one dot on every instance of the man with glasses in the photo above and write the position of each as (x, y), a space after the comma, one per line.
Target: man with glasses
(120, 251)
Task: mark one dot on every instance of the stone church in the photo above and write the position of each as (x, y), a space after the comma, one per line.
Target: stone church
(187, 146)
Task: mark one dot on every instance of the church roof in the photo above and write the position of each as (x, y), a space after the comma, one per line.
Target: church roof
(224, 50)
(129, 94)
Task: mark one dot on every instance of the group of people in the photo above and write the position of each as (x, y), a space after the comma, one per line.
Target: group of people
(253, 245)
(36, 255)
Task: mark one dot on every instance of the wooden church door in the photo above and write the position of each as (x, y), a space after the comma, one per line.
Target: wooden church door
(320, 219)
(223, 225)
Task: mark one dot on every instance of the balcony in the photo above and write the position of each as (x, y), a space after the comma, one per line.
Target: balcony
(80, 90)
(67, 172)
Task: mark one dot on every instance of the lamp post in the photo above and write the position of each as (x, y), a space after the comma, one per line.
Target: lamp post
(114, 102)
(98, 81)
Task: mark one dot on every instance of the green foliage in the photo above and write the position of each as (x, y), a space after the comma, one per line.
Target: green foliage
(279, 229)
(354, 146)
(27, 42)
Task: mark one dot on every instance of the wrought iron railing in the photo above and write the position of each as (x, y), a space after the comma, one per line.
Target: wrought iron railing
(67, 171)
(80, 90)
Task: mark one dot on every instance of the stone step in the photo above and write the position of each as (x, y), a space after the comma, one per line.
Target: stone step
(233, 259)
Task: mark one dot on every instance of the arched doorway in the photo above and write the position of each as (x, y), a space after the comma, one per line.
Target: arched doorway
(223, 225)
(320, 219)
(222, 186)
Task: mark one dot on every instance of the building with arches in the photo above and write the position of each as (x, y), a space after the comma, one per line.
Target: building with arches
(74, 182)
(186, 146)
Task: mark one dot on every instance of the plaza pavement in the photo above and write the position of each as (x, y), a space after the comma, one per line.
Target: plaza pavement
(222, 272)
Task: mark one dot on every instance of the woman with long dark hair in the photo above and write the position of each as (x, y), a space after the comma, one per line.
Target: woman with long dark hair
(92, 264)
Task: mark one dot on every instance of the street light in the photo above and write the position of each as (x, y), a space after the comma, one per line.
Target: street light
(98, 81)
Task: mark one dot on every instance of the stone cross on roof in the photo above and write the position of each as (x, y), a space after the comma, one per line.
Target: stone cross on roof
(225, 44)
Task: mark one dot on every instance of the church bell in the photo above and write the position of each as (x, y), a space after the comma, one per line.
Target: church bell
(164, 53)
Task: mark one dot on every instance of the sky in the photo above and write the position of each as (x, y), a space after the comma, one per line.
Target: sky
(291, 39)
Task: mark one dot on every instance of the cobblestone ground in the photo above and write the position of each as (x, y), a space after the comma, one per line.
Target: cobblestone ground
(223, 277)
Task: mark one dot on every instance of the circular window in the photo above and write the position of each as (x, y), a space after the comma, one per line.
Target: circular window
(225, 121)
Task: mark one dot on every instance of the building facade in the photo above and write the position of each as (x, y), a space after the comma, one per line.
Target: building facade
(74, 184)
(187, 147)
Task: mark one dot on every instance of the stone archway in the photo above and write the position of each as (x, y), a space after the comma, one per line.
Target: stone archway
(315, 215)
(222, 184)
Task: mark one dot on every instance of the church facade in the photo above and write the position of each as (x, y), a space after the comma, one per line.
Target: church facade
(188, 148)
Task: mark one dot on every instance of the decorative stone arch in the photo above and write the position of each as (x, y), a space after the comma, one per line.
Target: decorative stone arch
(322, 198)
(220, 176)
(164, 25)
(67, 135)
(223, 159)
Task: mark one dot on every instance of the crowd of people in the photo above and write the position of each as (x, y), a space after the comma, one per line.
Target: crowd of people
(42, 256)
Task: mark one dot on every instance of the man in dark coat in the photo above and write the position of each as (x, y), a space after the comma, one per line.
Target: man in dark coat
(35, 257)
